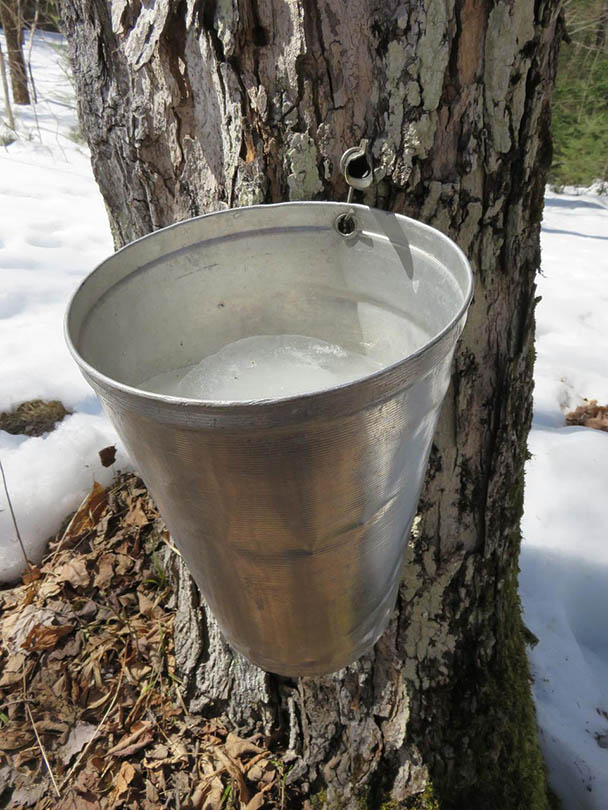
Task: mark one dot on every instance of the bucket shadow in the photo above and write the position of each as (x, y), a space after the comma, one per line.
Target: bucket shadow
(554, 202)
(574, 233)
(393, 230)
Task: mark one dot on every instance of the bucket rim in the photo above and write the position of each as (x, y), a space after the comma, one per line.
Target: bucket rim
(297, 401)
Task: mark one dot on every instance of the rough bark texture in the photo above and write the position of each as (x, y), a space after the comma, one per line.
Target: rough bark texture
(194, 106)
(7, 99)
(10, 19)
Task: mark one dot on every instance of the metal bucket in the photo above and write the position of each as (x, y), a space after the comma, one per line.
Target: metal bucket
(292, 514)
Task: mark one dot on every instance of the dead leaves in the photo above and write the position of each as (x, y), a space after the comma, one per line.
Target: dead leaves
(87, 655)
(87, 515)
(136, 515)
(80, 735)
(14, 739)
(237, 747)
(107, 455)
(139, 738)
(29, 624)
(122, 781)
(73, 571)
(589, 415)
(45, 637)
(14, 668)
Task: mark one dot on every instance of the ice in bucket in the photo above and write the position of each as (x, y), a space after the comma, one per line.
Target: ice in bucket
(265, 367)
(277, 384)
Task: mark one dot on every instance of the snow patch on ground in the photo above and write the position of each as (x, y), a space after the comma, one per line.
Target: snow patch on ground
(53, 231)
(49, 476)
(564, 559)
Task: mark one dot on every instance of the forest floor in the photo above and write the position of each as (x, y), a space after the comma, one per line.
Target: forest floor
(91, 712)
(96, 590)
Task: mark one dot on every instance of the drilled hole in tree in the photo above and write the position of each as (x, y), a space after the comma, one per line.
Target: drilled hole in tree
(359, 167)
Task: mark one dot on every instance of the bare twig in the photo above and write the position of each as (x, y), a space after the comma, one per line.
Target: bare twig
(97, 730)
(10, 506)
(38, 740)
(176, 752)
(42, 751)
(28, 58)
(68, 528)
(180, 697)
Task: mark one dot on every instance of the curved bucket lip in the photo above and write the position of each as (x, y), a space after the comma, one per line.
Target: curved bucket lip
(241, 407)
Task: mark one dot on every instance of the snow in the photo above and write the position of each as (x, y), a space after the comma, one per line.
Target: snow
(264, 367)
(53, 231)
(564, 559)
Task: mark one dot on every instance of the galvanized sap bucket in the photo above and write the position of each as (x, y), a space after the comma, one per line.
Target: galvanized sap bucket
(292, 513)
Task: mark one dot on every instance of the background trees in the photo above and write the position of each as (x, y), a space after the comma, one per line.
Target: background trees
(11, 19)
(580, 109)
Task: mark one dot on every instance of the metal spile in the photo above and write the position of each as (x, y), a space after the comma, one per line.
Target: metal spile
(293, 513)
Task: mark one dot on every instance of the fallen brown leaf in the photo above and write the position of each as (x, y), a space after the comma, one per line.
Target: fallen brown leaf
(13, 739)
(31, 574)
(122, 781)
(138, 738)
(124, 563)
(54, 726)
(147, 606)
(75, 572)
(258, 801)
(16, 626)
(80, 735)
(589, 415)
(79, 801)
(48, 587)
(136, 515)
(238, 747)
(29, 794)
(105, 570)
(87, 514)
(213, 798)
(12, 671)
(45, 637)
(234, 769)
(107, 455)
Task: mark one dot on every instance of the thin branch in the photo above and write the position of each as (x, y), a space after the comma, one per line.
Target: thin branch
(38, 740)
(10, 506)
(88, 745)
(28, 58)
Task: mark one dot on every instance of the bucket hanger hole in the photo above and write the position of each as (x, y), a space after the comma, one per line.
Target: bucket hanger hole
(345, 224)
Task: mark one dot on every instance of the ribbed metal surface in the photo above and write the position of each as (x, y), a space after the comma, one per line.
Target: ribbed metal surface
(293, 515)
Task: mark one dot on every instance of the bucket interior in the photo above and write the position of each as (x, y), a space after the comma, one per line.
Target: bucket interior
(168, 300)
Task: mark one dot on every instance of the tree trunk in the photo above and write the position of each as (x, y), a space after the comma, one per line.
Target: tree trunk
(194, 106)
(10, 19)
(7, 99)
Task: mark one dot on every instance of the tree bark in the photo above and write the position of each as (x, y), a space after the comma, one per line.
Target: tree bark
(7, 99)
(10, 19)
(193, 106)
